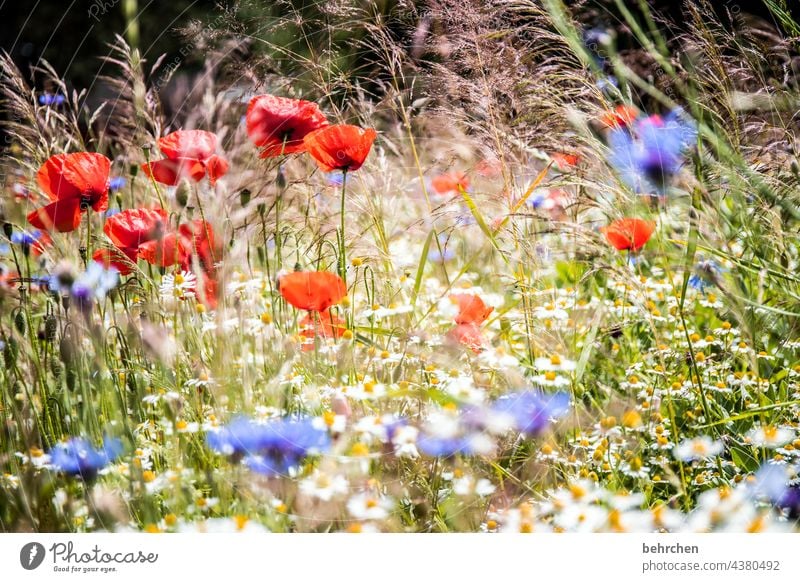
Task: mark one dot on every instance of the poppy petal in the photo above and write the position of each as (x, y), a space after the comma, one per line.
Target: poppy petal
(629, 233)
(340, 147)
(170, 250)
(62, 215)
(192, 144)
(163, 171)
(471, 309)
(279, 124)
(216, 167)
(468, 335)
(82, 174)
(122, 260)
(130, 228)
(451, 182)
(312, 290)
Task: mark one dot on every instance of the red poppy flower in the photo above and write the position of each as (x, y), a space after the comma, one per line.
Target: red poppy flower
(8, 279)
(340, 147)
(629, 234)
(278, 125)
(190, 153)
(128, 230)
(621, 116)
(210, 290)
(468, 335)
(38, 248)
(471, 308)
(450, 182)
(171, 249)
(176, 248)
(200, 236)
(489, 168)
(73, 183)
(323, 325)
(312, 290)
(565, 161)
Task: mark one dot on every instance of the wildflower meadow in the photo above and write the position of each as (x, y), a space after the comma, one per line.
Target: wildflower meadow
(512, 266)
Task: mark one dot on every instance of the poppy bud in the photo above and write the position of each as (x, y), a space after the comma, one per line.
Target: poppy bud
(281, 178)
(50, 327)
(134, 171)
(244, 197)
(10, 352)
(19, 322)
(8, 229)
(67, 350)
(71, 379)
(182, 193)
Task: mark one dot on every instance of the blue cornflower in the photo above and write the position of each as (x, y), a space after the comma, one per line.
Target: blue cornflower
(25, 238)
(444, 446)
(537, 199)
(94, 283)
(596, 40)
(464, 434)
(28, 240)
(51, 99)
(650, 153)
(116, 183)
(706, 275)
(270, 448)
(772, 482)
(447, 254)
(608, 85)
(531, 410)
(238, 438)
(334, 178)
(78, 458)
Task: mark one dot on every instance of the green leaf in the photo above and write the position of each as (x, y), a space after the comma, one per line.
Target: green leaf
(423, 260)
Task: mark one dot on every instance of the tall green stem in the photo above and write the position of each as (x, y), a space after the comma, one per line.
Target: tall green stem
(342, 243)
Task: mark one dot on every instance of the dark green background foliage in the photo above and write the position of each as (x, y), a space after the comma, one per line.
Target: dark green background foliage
(71, 35)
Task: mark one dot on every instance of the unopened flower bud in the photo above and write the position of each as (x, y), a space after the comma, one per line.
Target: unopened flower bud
(244, 197)
(182, 193)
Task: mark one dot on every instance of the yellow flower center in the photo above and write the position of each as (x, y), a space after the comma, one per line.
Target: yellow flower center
(240, 521)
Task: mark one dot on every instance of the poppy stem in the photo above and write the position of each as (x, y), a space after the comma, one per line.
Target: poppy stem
(146, 151)
(280, 181)
(83, 250)
(343, 248)
(278, 252)
(205, 227)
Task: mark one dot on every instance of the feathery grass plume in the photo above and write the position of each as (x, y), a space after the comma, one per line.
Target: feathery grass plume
(37, 128)
(132, 115)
